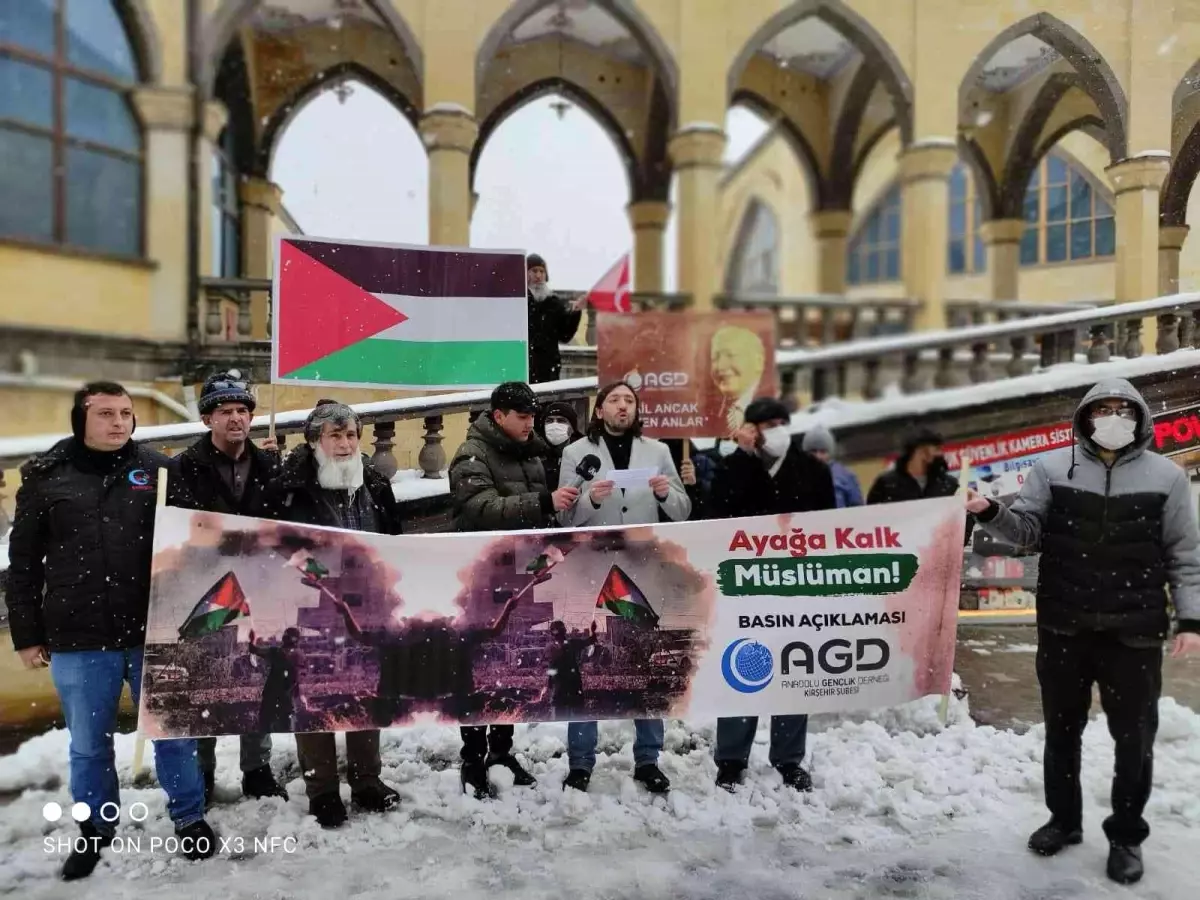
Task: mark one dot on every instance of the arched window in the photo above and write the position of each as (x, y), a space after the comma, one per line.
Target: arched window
(1068, 215)
(70, 144)
(965, 253)
(754, 268)
(874, 252)
(226, 210)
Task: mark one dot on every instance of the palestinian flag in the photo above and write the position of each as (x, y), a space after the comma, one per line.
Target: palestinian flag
(539, 567)
(311, 570)
(224, 602)
(375, 315)
(621, 597)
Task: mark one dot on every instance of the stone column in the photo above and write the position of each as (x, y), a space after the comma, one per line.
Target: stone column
(262, 201)
(449, 136)
(831, 228)
(215, 117)
(696, 154)
(1170, 244)
(649, 221)
(166, 115)
(1136, 183)
(1002, 238)
(925, 195)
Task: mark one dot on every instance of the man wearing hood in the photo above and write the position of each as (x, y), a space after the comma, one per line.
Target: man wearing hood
(820, 443)
(78, 592)
(558, 426)
(1116, 529)
(768, 475)
(328, 481)
(552, 321)
(498, 483)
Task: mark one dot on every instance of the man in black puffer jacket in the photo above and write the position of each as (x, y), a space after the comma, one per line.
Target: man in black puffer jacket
(224, 472)
(552, 321)
(78, 593)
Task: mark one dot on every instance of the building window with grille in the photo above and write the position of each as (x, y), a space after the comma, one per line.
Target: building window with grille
(965, 251)
(874, 252)
(754, 268)
(1068, 215)
(226, 210)
(70, 142)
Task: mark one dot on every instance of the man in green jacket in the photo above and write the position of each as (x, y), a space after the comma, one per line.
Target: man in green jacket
(498, 483)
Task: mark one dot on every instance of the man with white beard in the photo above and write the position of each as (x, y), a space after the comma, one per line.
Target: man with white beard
(551, 322)
(329, 482)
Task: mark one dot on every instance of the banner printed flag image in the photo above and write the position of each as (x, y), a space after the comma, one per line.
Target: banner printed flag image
(353, 314)
(621, 597)
(310, 569)
(224, 602)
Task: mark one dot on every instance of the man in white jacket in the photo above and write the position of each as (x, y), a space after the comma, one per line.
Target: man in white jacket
(614, 437)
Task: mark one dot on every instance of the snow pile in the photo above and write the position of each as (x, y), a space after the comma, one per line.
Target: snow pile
(411, 484)
(902, 808)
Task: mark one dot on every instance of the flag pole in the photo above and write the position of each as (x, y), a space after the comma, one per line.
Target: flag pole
(140, 772)
(271, 428)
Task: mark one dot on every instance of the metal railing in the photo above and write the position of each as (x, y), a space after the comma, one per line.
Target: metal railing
(1001, 350)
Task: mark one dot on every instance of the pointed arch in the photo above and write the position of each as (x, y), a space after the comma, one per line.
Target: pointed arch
(624, 11)
(290, 108)
(877, 53)
(758, 233)
(1027, 147)
(221, 27)
(1096, 76)
(845, 134)
(1178, 187)
(817, 186)
(578, 94)
(143, 34)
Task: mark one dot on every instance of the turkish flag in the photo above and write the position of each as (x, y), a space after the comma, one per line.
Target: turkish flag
(611, 293)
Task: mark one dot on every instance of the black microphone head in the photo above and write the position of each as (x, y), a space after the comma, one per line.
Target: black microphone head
(588, 467)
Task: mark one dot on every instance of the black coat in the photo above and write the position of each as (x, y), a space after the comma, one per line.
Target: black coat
(498, 484)
(742, 486)
(295, 496)
(80, 551)
(897, 486)
(551, 322)
(195, 482)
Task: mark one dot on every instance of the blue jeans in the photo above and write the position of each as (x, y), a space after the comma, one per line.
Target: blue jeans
(89, 685)
(583, 736)
(789, 735)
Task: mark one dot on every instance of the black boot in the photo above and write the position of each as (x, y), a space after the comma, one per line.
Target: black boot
(578, 780)
(375, 797)
(259, 783)
(1052, 837)
(729, 774)
(197, 841)
(795, 777)
(329, 810)
(84, 859)
(1125, 864)
(521, 777)
(652, 779)
(474, 776)
(210, 784)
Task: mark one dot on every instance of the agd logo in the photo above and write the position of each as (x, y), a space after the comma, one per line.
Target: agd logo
(747, 665)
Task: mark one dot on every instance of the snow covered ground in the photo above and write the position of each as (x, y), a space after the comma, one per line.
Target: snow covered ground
(902, 809)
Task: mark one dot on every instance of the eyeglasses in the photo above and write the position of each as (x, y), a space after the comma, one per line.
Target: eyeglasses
(228, 386)
(1105, 412)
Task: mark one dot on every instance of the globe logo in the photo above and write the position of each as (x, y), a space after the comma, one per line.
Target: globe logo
(747, 665)
(633, 379)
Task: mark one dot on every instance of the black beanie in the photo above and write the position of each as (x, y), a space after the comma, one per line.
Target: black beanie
(534, 260)
(766, 409)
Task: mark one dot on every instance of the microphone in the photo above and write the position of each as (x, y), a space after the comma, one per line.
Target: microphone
(586, 470)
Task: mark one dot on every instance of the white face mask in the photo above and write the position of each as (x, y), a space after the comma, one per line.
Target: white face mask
(339, 474)
(1113, 432)
(776, 441)
(727, 448)
(557, 432)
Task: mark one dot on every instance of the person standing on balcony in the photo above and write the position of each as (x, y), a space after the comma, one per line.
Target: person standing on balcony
(614, 437)
(768, 475)
(552, 321)
(1116, 528)
(328, 481)
(498, 483)
(224, 472)
(78, 594)
(820, 443)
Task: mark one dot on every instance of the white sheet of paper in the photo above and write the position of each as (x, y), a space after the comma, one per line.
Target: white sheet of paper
(630, 478)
